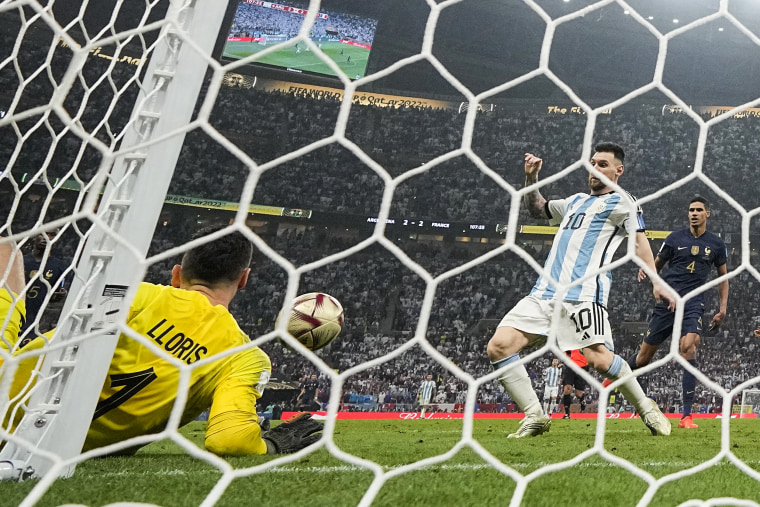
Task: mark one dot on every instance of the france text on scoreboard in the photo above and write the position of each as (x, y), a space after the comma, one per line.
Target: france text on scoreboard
(286, 8)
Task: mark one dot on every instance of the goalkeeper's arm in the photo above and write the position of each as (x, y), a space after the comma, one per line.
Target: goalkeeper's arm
(233, 425)
(234, 433)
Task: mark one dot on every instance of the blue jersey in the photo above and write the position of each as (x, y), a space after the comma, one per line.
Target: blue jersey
(52, 275)
(690, 260)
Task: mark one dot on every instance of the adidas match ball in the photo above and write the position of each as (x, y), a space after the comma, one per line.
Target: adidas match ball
(316, 319)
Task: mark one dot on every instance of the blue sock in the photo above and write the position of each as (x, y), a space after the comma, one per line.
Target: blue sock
(507, 360)
(689, 385)
(614, 370)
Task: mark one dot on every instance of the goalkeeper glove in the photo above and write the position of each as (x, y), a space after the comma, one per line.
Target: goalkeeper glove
(293, 435)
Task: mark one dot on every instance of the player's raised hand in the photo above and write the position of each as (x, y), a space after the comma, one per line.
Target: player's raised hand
(642, 274)
(757, 333)
(532, 165)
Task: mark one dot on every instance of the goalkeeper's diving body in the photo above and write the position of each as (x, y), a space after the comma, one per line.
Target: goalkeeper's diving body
(189, 322)
(591, 227)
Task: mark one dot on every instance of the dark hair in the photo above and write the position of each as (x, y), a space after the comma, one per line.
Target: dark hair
(220, 261)
(699, 198)
(613, 148)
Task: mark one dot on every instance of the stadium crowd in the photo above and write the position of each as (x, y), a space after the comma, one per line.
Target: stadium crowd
(382, 296)
(254, 21)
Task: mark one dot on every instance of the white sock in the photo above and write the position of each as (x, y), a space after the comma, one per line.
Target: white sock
(631, 388)
(517, 384)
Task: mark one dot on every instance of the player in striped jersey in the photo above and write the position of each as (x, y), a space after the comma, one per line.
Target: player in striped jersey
(552, 375)
(426, 393)
(591, 227)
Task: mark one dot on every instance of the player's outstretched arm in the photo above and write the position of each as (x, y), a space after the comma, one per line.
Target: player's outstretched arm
(644, 252)
(233, 424)
(658, 264)
(534, 201)
(717, 320)
(294, 434)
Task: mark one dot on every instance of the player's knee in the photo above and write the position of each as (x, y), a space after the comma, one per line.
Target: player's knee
(496, 349)
(688, 346)
(503, 344)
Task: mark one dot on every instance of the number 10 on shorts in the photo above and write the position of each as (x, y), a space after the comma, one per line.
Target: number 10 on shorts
(589, 324)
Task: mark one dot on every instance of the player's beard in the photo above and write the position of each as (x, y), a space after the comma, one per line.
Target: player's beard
(595, 184)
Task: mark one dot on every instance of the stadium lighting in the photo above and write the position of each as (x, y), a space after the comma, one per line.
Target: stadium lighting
(626, 12)
(650, 18)
(675, 21)
(720, 29)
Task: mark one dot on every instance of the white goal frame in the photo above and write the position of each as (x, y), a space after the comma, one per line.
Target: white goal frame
(56, 421)
(753, 408)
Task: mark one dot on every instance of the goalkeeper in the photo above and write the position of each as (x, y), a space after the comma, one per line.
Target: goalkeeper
(189, 321)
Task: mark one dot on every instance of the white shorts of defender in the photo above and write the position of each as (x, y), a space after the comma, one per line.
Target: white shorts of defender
(580, 323)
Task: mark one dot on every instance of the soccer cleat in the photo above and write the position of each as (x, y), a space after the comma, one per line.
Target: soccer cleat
(566, 416)
(657, 423)
(687, 422)
(532, 426)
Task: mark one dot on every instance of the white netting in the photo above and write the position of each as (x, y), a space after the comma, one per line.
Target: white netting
(74, 76)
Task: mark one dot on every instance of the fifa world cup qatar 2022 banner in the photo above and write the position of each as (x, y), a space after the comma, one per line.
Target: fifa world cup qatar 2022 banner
(323, 92)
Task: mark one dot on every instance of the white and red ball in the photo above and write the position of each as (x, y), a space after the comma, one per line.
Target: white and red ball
(316, 319)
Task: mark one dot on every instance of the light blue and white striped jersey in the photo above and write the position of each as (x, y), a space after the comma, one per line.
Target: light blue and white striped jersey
(591, 227)
(427, 388)
(551, 376)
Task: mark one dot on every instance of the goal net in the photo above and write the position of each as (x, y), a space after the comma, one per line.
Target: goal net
(750, 402)
(372, 151)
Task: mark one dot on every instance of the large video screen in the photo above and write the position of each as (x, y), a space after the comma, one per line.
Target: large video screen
(345, 38)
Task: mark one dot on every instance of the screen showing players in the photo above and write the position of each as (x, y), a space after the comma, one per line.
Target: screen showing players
(344, 38)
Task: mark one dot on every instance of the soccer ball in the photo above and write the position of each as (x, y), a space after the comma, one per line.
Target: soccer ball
(315, 320)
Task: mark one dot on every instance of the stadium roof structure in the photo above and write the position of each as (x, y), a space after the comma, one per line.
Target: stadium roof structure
(602, 54)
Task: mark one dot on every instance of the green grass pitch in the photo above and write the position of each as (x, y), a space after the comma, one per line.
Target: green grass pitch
(163, 474)
(306, 60)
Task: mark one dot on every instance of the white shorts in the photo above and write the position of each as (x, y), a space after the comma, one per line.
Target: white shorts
(550, 392)
(425, 401)
(580, 324)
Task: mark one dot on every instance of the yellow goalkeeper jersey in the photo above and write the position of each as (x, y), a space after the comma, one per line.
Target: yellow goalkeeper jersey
(15, 314)
(143, 384)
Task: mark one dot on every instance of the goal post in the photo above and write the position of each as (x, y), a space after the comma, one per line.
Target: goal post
(750, 402)
(59, 412)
